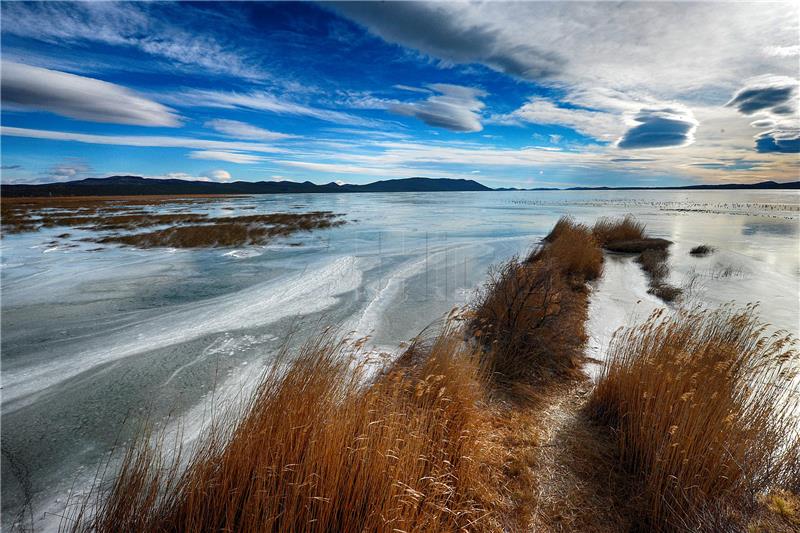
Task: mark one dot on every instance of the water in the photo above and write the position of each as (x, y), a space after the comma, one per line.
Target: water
(95, 341)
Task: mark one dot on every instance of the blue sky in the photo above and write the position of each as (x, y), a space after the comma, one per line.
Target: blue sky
(510, 94)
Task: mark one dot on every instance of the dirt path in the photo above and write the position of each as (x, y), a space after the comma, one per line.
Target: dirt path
(563, 465)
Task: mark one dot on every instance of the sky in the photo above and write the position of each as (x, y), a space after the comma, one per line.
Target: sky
(525, 94)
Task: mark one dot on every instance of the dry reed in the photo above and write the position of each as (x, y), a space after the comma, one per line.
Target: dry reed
(704, 404)
(530, 314)
(320, 450)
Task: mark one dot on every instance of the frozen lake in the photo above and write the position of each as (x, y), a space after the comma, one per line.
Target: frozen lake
(94, 340)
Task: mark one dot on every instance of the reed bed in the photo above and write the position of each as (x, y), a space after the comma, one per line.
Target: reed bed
(609, 230)
(704, 404)
(530, 314)
(322, 448)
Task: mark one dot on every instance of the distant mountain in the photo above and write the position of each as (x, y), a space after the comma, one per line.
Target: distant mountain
(136, 185)
(723, 186)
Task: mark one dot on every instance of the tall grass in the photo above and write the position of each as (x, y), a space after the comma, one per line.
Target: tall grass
(609, 230)
(318, 449)
(704, 404)
(530, 314)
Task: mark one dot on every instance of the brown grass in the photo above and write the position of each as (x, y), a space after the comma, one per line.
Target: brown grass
(530, 314)
(608, 230)
(317, 450)
(702, 402)
(228, 231)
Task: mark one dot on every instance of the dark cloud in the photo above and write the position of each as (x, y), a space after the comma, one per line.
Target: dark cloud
(432, 29)
(659, 128)
(454, 108)
(764, 97)
(775, 141)
(10, 167)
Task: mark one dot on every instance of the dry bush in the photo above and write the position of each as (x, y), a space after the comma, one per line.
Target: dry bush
(320, 449)
(704, 406)
(530, 315)
(608, 230)
(702, 250)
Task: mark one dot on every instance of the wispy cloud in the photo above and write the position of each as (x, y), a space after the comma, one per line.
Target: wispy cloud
(80, 97)
(143, 26)
(231, 157)
(262, 101)
(156, 141)
(242, 130)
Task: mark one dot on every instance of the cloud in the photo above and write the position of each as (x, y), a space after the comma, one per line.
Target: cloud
(440, 31)
(596, 124)
(262, 101)
(628, 45)
(219, 175)
(230, 157)
(775, 94)
(79, 97)
(138, 140)
(10, 167)
(242, 130)
(660, 128)
(774, 99)
(777, 141)
(143, 26)
(454, 107)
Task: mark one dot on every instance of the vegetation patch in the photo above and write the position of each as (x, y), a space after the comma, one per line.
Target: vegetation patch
(175, 229)
(228, 231)
(702, 250)
(703, 405)
(530, 314)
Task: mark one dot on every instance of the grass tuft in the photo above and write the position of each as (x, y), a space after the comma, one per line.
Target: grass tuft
(703, 405)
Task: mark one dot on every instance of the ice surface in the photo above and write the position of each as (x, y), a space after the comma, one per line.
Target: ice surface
(91, 337)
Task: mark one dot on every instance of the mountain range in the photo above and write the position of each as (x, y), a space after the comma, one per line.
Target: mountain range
(137, 185)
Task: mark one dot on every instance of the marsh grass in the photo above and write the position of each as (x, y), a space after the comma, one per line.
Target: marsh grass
(530, 314)
(123, 218)
(228, 231)
(704, 405)
(609, 230)
(324, 447)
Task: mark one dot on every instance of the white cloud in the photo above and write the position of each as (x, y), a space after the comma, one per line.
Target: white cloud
(597, 124)
(80, 97)
(230, 157)
(242, 130)
(454, 107)
(219, 175)
(138, 140)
